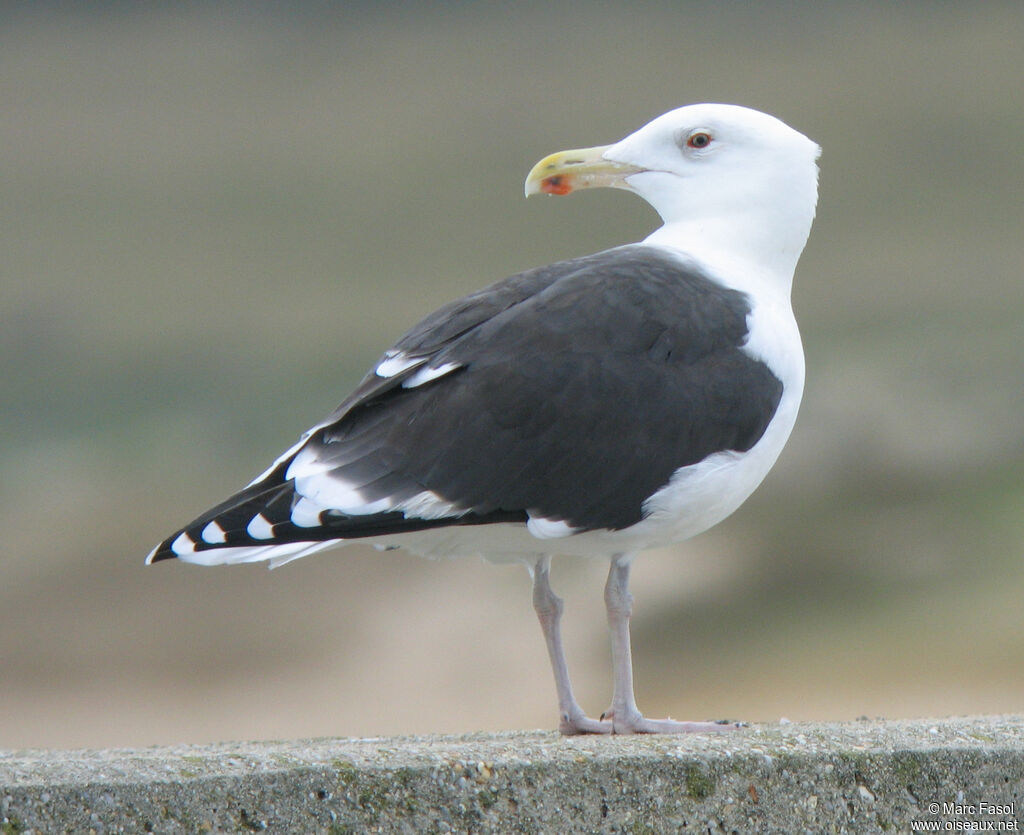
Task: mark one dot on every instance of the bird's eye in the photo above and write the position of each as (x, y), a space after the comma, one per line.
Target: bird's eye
(698, 139)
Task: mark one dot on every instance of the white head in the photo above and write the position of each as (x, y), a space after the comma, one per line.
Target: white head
(723, 178)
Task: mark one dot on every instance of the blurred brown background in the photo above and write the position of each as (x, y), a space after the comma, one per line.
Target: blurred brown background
(215, 217)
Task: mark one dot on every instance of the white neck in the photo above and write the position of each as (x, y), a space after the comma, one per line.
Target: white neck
(747, 222)
(740, 254)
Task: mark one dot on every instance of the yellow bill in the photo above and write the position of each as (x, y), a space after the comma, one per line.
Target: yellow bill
(569, 171)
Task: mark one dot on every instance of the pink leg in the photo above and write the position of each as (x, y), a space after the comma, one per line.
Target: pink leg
(548, 605)
(623, 713)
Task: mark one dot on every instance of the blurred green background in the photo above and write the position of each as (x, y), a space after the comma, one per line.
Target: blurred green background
(215, 217)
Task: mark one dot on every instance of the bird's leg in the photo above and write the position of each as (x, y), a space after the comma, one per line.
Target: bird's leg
(548, 605)
(624, 715)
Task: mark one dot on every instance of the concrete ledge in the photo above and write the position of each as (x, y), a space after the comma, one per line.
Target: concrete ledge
(859, 777)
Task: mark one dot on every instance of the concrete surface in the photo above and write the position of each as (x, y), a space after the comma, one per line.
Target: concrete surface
(961, 774)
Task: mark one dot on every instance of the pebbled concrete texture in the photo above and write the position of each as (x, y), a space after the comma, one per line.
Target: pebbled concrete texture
(960, 774)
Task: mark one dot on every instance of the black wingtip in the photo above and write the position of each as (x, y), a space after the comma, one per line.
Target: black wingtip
(161, 552)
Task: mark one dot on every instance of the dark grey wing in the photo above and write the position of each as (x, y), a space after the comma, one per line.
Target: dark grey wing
(568, 393)
(448, 324)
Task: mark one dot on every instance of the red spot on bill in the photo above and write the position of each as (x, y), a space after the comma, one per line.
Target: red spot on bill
(556, 184)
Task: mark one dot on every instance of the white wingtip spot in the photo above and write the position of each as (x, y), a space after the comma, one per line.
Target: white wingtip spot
(395, 362)
(282, 457)
(260, 527)
(213, 534)
(151, 554)
(425, 375)
(306, 513)
(183, 545)
(329, 493)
